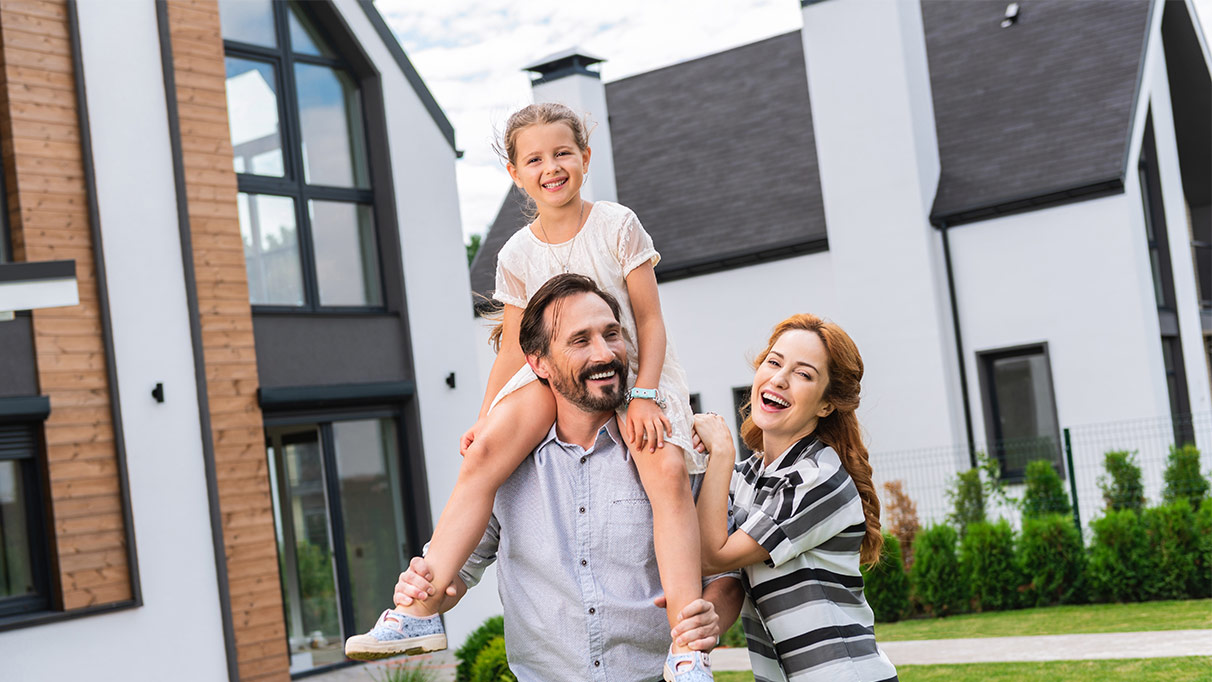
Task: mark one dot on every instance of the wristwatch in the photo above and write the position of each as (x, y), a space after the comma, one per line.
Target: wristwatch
(648, 394)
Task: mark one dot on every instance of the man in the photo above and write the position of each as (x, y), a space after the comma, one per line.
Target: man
(572, 527)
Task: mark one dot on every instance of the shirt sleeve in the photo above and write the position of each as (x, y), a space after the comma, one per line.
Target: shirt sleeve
(808, 507)
(511, 287)
(635, 245)
(483, 556)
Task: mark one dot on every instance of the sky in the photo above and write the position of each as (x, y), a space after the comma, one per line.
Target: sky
(471, 54)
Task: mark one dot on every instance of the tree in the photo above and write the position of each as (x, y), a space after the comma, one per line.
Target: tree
(473, 245)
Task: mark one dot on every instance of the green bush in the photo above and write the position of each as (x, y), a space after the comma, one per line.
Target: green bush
(987, 557)
(938, 582)
(1183, 479)
(967, 500)
(1170, 532)
(735, 636)
(1045, 493)
(1121, 484)
(491, 665)
(1053, 560)
(886, 585)
(1118, 557)
(476, 641)
(1203, 556)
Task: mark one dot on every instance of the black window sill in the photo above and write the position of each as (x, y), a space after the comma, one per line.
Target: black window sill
(36, 618)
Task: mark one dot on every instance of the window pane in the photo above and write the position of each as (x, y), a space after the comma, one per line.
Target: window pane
(248, 21)
(304, 37)
(347, 257)
(16, 572)
(271, 249)
(330, 113)
(252, 114)
(1025, 412)
(372, 505)
(305, 551)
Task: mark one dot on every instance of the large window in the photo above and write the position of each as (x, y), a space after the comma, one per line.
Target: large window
(1020, 408)
(300, 152)
(342, 534)
(23, 585)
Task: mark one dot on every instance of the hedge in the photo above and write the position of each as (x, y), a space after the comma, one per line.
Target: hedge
(1053, 558)
(886, 585)
(938, 583)
(992, 571)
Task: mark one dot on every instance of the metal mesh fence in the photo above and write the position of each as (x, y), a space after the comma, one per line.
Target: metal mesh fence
(926, 475)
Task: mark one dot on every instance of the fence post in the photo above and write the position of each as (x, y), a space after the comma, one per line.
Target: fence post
(1077, 518)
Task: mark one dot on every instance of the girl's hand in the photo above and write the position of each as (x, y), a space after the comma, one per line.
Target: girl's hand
(469, 437)
(646, 424)
(711, 431)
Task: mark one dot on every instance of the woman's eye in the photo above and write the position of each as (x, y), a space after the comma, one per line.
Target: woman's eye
(805, 375)
(772, 362)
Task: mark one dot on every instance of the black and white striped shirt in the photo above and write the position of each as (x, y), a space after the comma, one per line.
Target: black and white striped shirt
(805, 616)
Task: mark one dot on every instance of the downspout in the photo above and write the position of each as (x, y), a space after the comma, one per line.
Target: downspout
(959, 343)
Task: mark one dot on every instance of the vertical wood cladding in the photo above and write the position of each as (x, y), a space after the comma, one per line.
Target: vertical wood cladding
(225, 318)
(48, 219)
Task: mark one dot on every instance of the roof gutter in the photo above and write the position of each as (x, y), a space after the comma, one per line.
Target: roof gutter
(959, 343)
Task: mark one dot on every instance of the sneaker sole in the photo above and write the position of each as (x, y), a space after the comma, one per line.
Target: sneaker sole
(373, 651)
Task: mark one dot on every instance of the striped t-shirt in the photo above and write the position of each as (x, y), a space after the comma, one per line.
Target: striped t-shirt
(805, 616)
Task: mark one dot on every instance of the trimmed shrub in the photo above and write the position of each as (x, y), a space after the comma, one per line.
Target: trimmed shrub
(491, 665)
(476, 641)
(1118, 557)
(987, 557)
(1053, 560)
(1121, 484)
(735, 636)
(886, 584)
(938, 582)
(1045, 493)
(1203, 555)
(1169, 531)
(902, 518)
(1183, 479)
(967, 497)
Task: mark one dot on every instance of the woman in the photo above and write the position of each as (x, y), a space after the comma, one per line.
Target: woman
(805, 510)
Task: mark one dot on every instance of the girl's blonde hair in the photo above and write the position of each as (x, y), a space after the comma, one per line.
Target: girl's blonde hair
(840, 429)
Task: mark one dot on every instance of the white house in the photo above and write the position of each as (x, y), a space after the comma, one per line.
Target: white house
(1007, 205)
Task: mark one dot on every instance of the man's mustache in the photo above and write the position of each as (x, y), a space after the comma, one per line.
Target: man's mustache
(617, 366)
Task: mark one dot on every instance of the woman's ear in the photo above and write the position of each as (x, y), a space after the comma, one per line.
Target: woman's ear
(825, 411)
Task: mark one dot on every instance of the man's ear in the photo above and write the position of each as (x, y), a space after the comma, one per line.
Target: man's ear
(539, 366)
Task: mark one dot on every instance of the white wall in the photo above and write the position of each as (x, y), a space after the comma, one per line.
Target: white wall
(142, 250)
(438, 291)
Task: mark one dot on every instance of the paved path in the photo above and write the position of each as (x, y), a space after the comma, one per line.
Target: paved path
(1162, 644)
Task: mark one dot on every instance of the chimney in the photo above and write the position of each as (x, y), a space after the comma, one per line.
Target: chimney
(873, 115)
(565, 77)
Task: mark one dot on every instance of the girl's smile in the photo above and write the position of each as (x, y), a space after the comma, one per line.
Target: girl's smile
(549, 167)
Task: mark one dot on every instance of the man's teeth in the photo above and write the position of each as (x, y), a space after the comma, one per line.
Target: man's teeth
(602, 375)
(775, 399)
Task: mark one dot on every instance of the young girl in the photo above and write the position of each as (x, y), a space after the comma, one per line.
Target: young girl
(804, 507)
(547, 151)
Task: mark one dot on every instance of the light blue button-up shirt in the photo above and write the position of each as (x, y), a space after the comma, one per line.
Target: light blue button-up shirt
(571, 532)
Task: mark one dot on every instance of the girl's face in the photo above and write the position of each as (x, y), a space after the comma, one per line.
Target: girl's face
(788, 396)
(548, 166)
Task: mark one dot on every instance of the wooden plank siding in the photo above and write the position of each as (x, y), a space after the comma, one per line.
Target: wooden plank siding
(48, 220)
(225, 317)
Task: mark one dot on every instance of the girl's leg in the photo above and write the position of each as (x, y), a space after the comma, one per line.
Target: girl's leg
(510, 432)
(674, 527)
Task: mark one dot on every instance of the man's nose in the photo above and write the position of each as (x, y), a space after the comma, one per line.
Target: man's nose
(601, 351)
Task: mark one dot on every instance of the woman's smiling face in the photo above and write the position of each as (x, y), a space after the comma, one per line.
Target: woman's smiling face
(788, 396)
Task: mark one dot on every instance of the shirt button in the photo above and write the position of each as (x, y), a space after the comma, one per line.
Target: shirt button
(585, 563)
(583, 459)
(582, 510)
(597, 663)
(592, 610)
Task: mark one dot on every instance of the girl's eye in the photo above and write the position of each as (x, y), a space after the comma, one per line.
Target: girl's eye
(532, 159)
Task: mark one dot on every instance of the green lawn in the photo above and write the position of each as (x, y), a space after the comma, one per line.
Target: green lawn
(1192, 614)
(1136, 669)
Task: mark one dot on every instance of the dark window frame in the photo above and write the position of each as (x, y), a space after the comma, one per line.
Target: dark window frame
(292, 184)
(415, 517)
(993, 433)
(6, 240)
(34, 484)
(740, 410)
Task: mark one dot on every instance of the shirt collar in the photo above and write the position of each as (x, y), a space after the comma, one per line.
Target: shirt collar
(608, 434)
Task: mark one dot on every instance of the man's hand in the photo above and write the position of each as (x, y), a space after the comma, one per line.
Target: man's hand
(698, 625)
(414, 584)
(647, 426)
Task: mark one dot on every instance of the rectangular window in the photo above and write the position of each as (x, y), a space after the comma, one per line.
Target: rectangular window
(23, 567)
(1020, 408)
(339, 514)
(740, 405)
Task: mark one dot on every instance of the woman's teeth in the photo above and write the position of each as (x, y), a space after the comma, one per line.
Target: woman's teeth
(774, 399)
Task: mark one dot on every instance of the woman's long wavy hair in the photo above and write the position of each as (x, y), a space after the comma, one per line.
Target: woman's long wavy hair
(840, 429)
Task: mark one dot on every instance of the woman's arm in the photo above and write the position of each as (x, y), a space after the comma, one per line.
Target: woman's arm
(721, 551)
(644, 417)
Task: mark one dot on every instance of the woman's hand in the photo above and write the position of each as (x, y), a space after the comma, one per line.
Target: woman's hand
(646, 424)
(470, 437)
(711, 431)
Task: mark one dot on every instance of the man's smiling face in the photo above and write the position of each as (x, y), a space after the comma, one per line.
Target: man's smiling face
(587, 360)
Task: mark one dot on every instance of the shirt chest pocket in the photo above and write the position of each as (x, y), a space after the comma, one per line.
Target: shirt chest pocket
(630, 531)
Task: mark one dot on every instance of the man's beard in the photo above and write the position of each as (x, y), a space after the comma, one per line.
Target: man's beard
(577, 392)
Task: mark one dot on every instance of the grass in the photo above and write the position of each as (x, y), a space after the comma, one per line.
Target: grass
(1187, 669)
(1192, 614)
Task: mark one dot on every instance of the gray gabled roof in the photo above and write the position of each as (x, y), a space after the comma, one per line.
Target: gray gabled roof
(717, 156)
